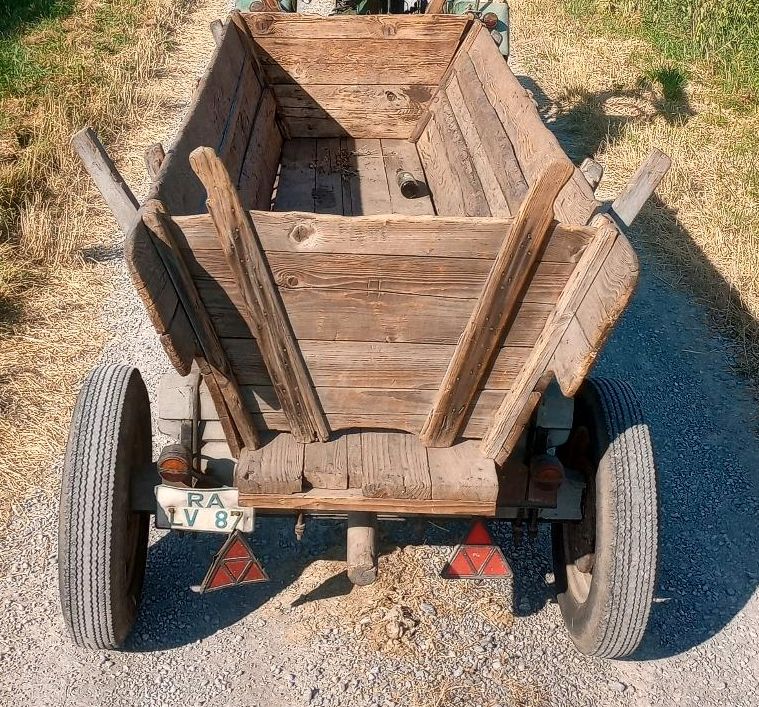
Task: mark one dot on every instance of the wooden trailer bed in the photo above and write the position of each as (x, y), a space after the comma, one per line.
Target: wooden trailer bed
(359, 349)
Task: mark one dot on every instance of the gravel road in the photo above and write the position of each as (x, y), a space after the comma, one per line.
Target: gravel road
(307, 637)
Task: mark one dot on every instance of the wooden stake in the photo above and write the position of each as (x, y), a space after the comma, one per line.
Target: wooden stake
(217, 30)
(264, 312)
(641, 186)
(213, 364)
(103, 171)
(362, 548)
(509, 276)
(154, 157)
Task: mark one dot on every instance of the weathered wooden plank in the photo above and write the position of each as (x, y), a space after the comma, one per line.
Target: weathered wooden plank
(460, 162)
(395, 466)
(326, 463)
(494, 444)
(315, 110)
(387, 402)
(433, 236)
(349, 364)
(497, 203)
(348, 62)
(401, 156)
(353, 500)
(497, 150)
(156, 217)
(370, 194)
(206, 123)
(263, 310)
(388, 27)
(508, 279)
(441, 277)
(641, 186)
(259, 168)
(599, 311)
(442, 181)
(297, 176)
(328, 192)
(277, 467)
(351, 315)
(245, 108)
(533, 143)
(461, 472)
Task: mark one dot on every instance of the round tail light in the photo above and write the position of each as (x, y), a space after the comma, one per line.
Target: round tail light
(490, 20)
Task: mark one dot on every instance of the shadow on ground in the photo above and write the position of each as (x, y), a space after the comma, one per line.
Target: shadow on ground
(702, 418)
(173, 615)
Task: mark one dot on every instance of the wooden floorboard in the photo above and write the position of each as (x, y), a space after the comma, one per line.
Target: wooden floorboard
(349, 177)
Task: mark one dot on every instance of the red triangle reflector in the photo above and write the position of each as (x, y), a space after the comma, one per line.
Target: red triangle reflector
(233, 564)
(478, 557)
(478, 534)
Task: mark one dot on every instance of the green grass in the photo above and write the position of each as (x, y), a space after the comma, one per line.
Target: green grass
(721, 36)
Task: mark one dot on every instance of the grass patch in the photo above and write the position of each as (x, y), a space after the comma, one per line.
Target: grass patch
(720, 37)
(63, 64)
(612, 93)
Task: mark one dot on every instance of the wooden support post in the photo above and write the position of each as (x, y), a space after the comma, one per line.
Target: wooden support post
(495, 444)
(154, 157)
(217, 30)
(640, 187)
(109, 182)
(362, 547)
(263, 310)
(233, 413)
(509, 276)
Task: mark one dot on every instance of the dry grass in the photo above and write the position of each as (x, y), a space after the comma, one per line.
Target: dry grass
(99, 58)
(605, 95)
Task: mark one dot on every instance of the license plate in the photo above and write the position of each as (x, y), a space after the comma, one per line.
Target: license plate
(204, 510)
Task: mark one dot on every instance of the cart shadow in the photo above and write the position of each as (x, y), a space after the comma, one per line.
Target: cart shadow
(172, 615)
(703, 418)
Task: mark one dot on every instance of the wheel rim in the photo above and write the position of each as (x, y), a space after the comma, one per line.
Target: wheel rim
(579, 538)
(133, 563)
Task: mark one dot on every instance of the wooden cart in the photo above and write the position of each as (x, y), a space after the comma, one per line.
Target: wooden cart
(382, 285)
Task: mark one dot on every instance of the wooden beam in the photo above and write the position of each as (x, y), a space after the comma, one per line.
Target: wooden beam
(154, 157)
(510, 275)
(233, 413)
(277, 467)
(107, 179)
(641, 186)
(361, 554)
(495, 443)
(331, 500)
(264, 312)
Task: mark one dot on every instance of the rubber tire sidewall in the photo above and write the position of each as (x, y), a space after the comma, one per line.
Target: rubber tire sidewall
(611, 622)
(110, 436)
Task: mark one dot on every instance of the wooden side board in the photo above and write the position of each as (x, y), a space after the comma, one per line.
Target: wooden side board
(222, 115)
(533, 143)
(369, 77)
